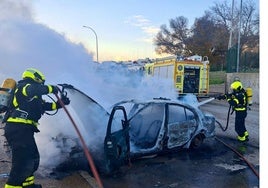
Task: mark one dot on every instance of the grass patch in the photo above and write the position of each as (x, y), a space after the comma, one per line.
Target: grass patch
(217, 77)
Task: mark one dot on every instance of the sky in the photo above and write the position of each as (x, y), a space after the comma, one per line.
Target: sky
(124, 29)
(49, 35)
(26, 43)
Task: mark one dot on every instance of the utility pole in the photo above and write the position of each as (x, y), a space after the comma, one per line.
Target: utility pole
(232, 26)
(238, 42)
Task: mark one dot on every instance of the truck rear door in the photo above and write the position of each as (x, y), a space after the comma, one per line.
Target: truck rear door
(191, 79)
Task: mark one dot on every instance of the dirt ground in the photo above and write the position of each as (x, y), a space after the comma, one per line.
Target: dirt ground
(134, 176)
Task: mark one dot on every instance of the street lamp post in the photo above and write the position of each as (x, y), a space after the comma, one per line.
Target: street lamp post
(97, 51)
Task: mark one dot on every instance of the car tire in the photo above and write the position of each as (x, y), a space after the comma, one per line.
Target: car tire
(197, 141)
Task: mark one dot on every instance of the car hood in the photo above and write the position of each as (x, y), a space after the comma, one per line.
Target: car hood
(90, 118)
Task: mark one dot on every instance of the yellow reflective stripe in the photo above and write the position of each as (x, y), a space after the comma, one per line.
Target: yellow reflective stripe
(28, 181)
(24, 184)
(236, 100)
(21, 120)
(15, 102)
(24, 90)
(30, 178)
(245, 99)
(241, 138)
(240, 109)
(12, 186)
(50, 88)
(54, 106)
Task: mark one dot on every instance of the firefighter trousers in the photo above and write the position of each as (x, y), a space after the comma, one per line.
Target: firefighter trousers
(240, 127)
(25, 154)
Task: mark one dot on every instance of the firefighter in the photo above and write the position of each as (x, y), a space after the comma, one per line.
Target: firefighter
(238, 100)
(26, 109)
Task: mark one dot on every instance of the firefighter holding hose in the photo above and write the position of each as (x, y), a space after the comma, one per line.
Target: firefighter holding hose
(238, 99)
(27, 107)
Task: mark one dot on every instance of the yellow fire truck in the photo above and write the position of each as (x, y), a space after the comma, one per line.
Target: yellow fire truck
(190, 75)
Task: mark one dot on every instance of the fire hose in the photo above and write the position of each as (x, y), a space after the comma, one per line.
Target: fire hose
(240, 155)
(86, 151)
(227, 121)
(230, 147)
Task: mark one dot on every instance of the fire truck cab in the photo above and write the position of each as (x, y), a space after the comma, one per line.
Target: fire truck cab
(190, 75)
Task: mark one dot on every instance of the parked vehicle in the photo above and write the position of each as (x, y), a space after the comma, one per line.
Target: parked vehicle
(189, 74)
(154, 127)
(140, 128)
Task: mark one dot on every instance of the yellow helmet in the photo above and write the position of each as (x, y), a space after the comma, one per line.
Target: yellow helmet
(34, 74)
(236, 85)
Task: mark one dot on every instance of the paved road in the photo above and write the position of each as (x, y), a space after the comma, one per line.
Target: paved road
(212, 165)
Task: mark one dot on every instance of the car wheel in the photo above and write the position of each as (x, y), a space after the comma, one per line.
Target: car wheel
(197, 141)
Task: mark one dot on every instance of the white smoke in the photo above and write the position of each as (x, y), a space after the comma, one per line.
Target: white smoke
(25, 44)
(15, 10)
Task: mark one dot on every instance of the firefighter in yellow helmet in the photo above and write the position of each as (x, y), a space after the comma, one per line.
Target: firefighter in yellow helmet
(21, 124)
(238, 100)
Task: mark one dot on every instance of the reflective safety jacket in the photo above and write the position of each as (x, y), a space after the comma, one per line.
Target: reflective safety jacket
(238, 100)
(28, 105)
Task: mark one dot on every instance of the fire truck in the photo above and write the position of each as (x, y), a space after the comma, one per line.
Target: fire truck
(190, 74)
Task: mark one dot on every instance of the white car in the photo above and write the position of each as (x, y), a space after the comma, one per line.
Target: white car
(135, 129)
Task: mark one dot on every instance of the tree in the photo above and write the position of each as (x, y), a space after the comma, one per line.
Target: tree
(173, 40)
(222, 14)
(212, 32)
(208, 35)
(249, 30)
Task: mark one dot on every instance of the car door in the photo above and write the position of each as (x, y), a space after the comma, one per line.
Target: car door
(116, 143)
(181, 125)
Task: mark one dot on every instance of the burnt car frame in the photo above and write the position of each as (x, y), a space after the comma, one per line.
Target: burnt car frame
(136, 129)
(153, 127)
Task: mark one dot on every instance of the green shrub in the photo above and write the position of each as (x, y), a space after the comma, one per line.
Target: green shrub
(217, 77)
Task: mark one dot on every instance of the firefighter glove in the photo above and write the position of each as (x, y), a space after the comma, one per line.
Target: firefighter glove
(228, 95)
(221, 97)
(65, 100)
(55, 90)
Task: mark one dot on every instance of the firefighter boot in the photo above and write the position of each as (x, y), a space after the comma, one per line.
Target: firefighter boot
(242, 138)
(12, 186)
(246, 135)
(33, 186)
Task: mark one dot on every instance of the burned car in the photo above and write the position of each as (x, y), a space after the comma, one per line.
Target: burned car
(135, 129)
(154, 127)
